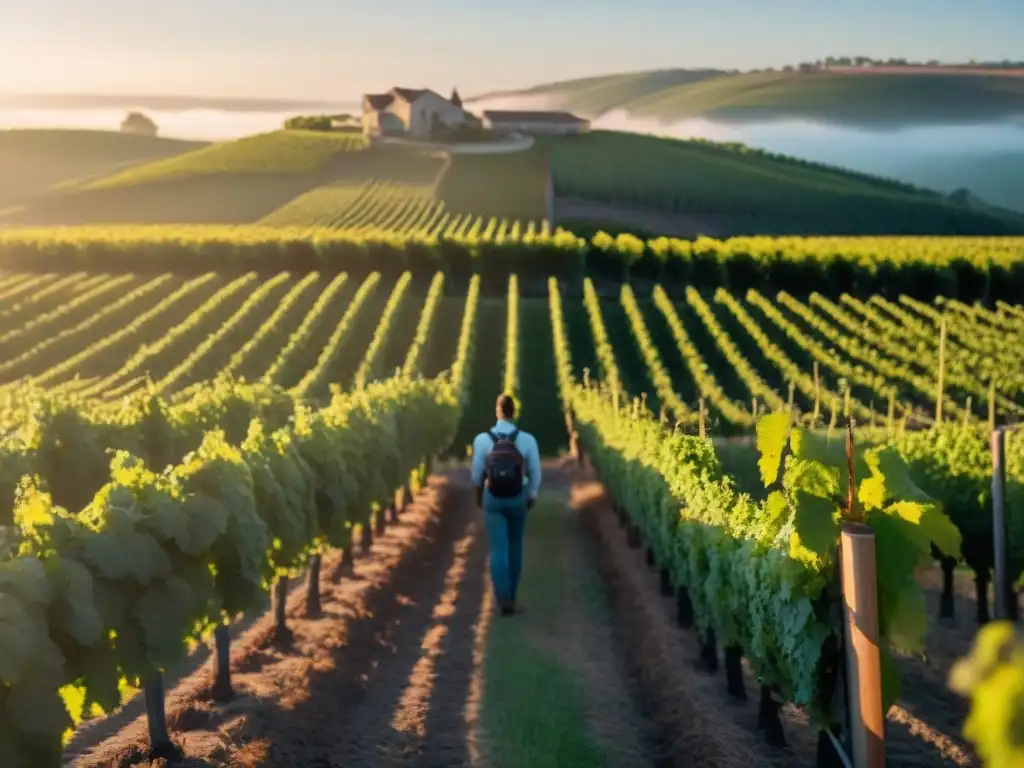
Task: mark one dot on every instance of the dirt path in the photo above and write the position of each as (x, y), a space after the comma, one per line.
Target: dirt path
(408, 666)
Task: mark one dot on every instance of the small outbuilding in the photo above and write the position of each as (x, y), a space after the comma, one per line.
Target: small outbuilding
(534, 122)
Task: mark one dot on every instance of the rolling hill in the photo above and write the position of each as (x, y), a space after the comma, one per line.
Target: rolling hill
(604, 180)
(227, 182)
(33, 162)
(850, 97)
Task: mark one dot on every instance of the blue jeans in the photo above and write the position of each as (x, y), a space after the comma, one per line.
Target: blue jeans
(505, 520)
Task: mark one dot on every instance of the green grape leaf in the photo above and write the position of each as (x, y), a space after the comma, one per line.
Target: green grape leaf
(907, 617)
(814, 478)
(100, 678)
(872, 493)
(161, 610)
(927, 525)
(817, 527)
(832, 453)
(78, 615)
(772, 431)
(886, 464)
(125, 552)
(776, 507)
(34, 705)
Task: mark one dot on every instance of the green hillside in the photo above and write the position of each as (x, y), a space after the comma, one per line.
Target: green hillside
(995, 177)
(602, 180)
(862, 98)
(228, 182)
(691, 188)
(35, 161)
(277, 152)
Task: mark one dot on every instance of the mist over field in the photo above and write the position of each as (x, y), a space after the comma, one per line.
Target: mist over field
(195, 124)
(987, 158)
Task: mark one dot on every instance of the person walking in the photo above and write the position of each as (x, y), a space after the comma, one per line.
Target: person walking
(506, 475)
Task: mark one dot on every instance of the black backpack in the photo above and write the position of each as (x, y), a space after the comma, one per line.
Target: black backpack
(505, 466)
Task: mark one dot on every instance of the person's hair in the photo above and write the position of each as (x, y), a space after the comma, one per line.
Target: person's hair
(506, 406)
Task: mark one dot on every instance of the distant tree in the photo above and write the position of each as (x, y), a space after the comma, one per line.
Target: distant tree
(456, 99)
(136, 122)
(788, 68)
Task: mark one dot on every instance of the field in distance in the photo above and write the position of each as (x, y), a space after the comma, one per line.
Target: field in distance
(605, 180)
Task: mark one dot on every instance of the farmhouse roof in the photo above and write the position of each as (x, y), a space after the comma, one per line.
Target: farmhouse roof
(505, 116)
(379, 100)
(409, 94)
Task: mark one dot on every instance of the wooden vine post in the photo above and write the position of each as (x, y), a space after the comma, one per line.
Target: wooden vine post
(860, 604)
(940, 395)
(160, 743)
(221, 688)
(992, 405)
(1002, 582)
(703, 420)
(817, 394)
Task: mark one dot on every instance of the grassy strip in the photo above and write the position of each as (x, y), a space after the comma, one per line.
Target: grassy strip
(533, 710)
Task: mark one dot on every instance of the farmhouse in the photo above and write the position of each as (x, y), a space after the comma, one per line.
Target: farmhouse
(421, 112)
(416, 112)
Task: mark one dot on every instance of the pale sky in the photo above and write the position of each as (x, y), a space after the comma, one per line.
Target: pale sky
(337, 49)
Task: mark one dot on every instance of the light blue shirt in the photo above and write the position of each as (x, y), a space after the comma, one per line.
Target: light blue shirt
(525, 442)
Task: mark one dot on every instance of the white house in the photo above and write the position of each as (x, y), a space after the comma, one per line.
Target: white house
(420, 112)
(534, 122)
(415, 112)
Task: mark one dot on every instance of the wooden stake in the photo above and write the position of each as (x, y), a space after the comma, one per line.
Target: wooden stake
(968, 410)
(703, 420)
(792, 394)
(817, 394)
(992, 405)
(1002, 584)
(754, 406)
(863, 656)
(942, 373)
(890, 419)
